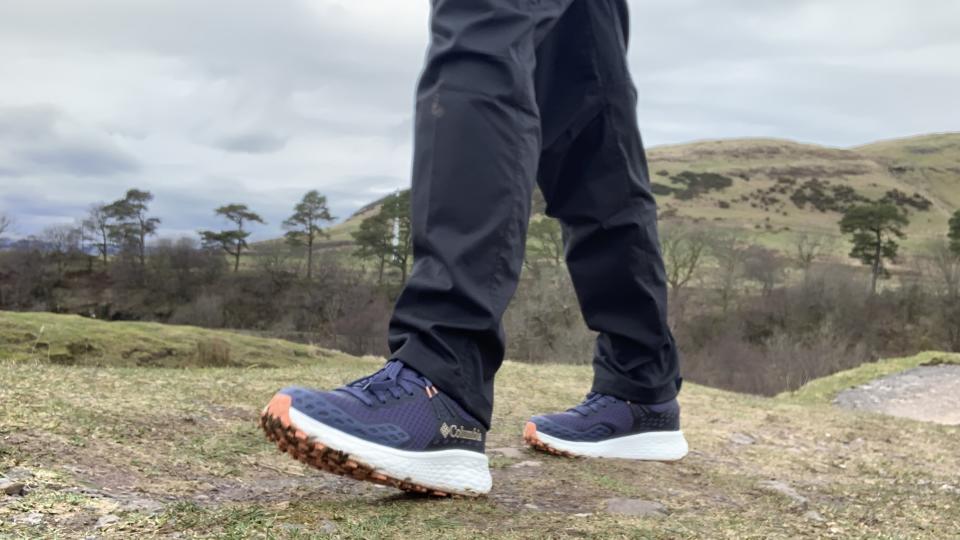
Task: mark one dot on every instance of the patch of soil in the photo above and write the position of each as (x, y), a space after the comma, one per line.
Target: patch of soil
(927, 393)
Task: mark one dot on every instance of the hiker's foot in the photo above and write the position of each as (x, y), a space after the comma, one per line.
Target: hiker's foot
(393, 428)
(604, 426)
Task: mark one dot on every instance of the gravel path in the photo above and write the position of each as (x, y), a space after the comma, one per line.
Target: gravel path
(929, 393)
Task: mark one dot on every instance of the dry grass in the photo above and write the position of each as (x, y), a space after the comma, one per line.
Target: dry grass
(177, 453)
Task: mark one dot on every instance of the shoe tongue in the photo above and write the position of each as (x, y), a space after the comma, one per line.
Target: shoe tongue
(586, 408)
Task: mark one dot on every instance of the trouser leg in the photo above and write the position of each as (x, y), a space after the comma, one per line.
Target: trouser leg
(476, 150)
(594, 177)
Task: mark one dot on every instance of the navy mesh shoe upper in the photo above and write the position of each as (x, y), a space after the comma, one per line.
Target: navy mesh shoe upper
(395, 407)
(602, 417)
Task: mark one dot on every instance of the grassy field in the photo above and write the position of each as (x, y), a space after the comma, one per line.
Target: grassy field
(138, 451)
(74, 340)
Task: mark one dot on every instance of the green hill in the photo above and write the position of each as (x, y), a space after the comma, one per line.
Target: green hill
(137, 451)
(776, 189)
(74, 340)
(929, 163)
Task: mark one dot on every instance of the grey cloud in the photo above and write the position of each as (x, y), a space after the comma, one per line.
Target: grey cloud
(252, 143)
(319, 93)
(38, 139)
(80, 158)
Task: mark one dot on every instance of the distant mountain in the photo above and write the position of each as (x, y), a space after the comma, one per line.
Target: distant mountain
(778, 188)
(777, 185)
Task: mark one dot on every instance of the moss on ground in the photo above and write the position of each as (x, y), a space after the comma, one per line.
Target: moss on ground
(143, 452)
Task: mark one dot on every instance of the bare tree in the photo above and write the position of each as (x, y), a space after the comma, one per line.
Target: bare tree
(763, 266)
(684, 250)
(61, 241)
(97, 225)
(809, 248)
(278, 265)
(727, 250)
(6, 223)
(943, 263)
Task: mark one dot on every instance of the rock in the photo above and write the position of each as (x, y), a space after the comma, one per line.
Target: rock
(148, 506)
(509, 452)
(10, 487)
(106, 521)
(530, 506)
(17, 473)
(525, 464)
(328, 527)
(33, 518)
(635, 507)
(742, 439)
(813, 515)
(782, 488)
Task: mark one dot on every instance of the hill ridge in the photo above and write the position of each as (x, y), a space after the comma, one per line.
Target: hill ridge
(780, 187)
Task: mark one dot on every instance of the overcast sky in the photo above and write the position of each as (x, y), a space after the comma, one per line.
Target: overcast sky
(205, 102)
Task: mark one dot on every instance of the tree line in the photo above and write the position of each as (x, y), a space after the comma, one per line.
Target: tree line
(747, 317)
(124, 226)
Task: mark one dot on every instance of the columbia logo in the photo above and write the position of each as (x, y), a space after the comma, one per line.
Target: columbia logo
(460, 432)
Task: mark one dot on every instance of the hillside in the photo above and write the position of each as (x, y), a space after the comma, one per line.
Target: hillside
(74, 340)
(140, 451)
(779, 188)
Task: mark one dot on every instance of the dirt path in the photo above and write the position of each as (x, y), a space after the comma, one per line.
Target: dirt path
(928, 393)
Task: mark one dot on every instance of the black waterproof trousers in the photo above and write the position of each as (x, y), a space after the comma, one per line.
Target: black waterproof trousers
(513, 91)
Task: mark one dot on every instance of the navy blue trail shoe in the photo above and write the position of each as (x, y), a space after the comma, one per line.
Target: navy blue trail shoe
(604, 426)
(393, 428)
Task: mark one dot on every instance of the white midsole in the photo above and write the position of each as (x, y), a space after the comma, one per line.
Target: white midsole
(458, 471)
(653, 446)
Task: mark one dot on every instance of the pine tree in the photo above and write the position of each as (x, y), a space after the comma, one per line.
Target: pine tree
(954, 232)
(873, 230)
(131, 225)
(233, 241)
(304, 227)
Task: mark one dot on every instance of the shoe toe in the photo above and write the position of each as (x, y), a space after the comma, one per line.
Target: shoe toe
(544, 424)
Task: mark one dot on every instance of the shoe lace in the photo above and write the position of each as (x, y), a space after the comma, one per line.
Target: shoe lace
(593, 403)
(394, 380)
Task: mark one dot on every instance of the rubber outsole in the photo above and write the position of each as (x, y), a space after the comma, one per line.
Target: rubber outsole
(652, 446)
(276, 424)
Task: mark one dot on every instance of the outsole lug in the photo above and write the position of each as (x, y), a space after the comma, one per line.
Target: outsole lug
(276, 425)
(530, 437)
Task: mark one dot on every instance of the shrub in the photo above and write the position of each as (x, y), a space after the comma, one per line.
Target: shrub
(696, 184)
(213, 352)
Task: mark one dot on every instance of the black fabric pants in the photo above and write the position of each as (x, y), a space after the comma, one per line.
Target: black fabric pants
(517, 90)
